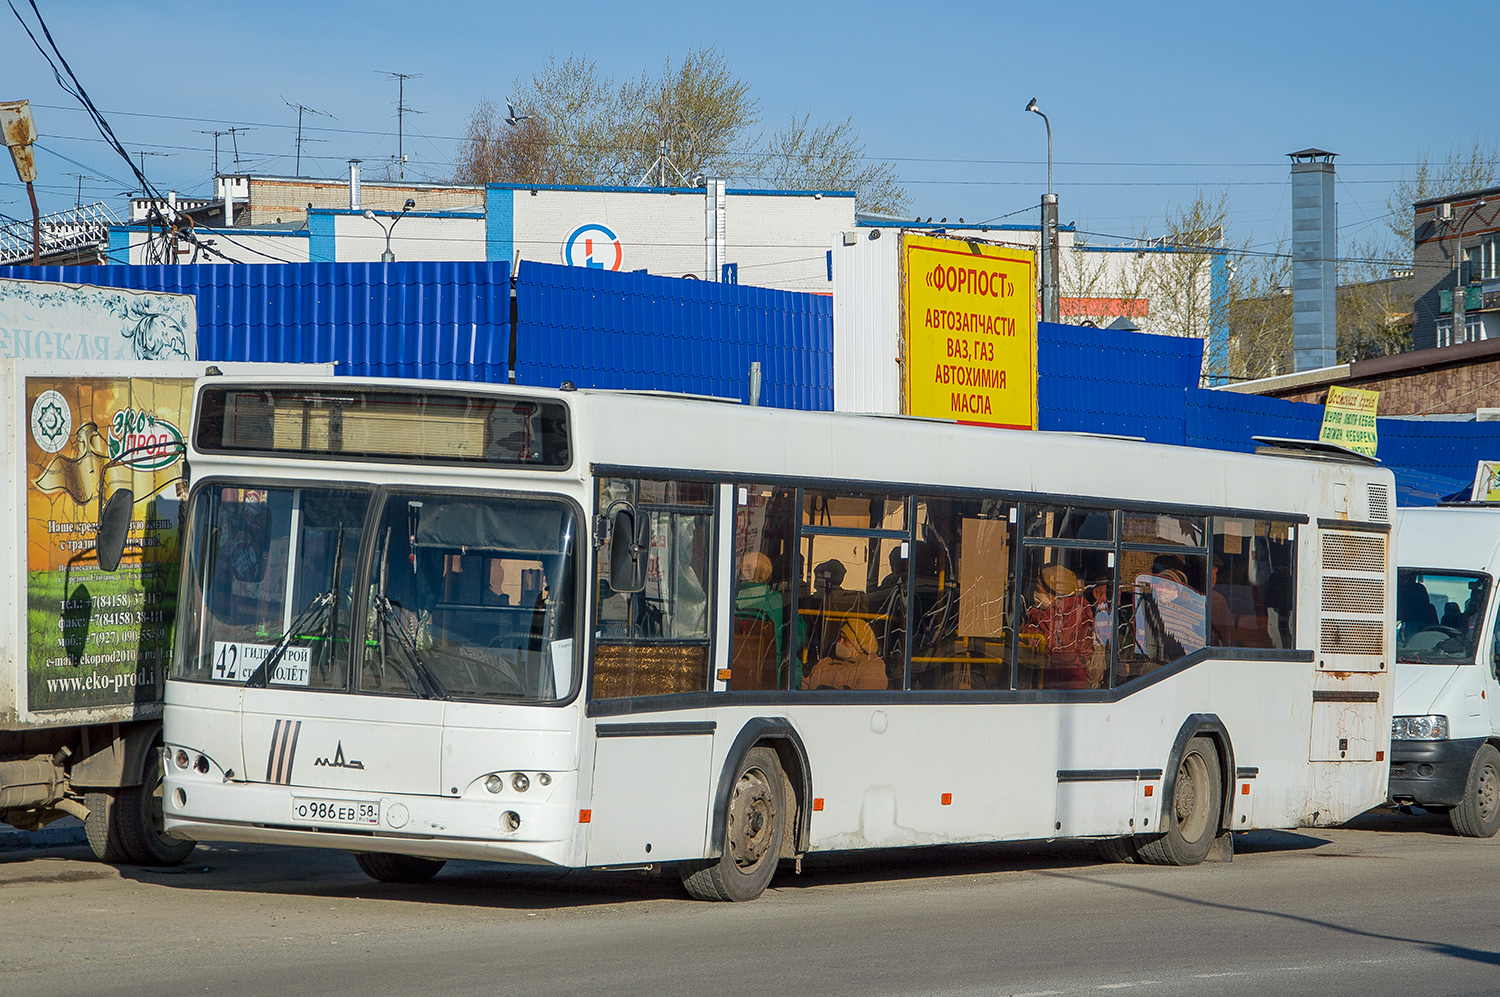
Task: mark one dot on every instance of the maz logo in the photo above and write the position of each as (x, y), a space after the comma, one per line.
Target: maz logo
(338, 760)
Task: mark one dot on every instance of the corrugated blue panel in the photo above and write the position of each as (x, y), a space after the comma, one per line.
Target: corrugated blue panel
(421, 319)
(1107, 381)
(602, 329)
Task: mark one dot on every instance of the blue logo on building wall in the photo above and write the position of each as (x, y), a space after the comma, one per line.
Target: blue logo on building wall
(593, 246)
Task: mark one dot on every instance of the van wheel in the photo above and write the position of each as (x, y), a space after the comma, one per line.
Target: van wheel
(753, 829)
(139, 815)
(101, 827)
(1192, 819)
(1478, 814)
(391, 868)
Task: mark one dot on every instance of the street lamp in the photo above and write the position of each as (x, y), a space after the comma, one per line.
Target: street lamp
(1460, 320)
(388, 256)
(1050, 300)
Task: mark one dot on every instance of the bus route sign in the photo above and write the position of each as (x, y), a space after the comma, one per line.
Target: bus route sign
(969, 324)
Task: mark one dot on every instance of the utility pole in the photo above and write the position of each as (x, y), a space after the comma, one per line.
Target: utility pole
(1051, 310)
(401, 111)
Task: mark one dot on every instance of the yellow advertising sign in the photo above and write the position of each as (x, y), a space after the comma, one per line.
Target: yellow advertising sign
(970, 331)
(1486, 482)
(1349, 419)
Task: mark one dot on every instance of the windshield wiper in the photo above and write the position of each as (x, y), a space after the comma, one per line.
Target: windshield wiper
(426, 684)
(321, 603)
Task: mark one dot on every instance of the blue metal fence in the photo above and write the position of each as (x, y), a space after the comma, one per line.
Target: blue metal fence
(602, 329)
(432, 320)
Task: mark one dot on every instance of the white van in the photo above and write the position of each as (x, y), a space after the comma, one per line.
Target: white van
(1445, 735)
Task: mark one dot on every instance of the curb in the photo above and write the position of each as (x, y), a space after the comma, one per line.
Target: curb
(63, 833)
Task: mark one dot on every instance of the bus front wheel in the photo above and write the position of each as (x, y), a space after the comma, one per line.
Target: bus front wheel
(389, 867)
(1478, 814)
(753, 829)
(1191, 821)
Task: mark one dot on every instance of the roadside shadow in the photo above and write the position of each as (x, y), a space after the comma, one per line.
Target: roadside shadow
(1436, 947)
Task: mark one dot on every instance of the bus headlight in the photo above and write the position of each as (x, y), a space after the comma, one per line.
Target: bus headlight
(519, 782)
(1429, 728)
(494, 783)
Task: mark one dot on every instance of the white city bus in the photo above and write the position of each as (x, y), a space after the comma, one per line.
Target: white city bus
(426, 621)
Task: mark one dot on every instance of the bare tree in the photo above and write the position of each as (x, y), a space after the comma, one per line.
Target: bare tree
(804, 156)
(689, 121)
(1461, 170)
(494, 151)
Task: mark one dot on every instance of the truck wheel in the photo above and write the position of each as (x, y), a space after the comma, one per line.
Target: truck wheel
(392, 868)
(101, 827)
(1478, 815)
(1192, 819)
(138, 814)
(753, 830)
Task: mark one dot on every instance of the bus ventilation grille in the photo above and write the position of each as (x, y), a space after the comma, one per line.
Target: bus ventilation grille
(1380, 504)
(1354, 593)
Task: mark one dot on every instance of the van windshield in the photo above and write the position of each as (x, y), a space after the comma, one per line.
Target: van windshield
(1438, 615)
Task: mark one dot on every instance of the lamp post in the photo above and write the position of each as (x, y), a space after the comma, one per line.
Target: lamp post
(388, 256)
(1050, 300)
(1460, 292)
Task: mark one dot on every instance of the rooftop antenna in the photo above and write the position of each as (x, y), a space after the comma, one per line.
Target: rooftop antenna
(303, 109)
(142, 154)
(401, 111)
(667, 130)
(234, 137)
(81, 177)
(216, 135)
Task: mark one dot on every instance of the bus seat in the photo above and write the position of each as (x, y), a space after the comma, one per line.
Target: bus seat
(753, 662)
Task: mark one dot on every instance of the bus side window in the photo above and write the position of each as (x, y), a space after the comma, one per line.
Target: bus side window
(961, 601)
(761, 637)
(656, 641)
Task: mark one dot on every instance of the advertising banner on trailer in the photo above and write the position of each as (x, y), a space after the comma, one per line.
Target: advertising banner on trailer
(96, 638)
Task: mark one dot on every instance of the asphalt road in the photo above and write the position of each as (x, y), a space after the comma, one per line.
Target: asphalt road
(1390, 904)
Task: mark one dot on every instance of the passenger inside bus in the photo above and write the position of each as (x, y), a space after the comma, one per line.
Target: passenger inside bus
(1059, 634)
(852, 664)
(759, 623)
(832, 604)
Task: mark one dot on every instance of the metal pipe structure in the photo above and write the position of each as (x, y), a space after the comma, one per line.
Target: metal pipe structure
(1460, 291)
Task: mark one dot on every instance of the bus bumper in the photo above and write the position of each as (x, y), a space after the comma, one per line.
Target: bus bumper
(539, 831)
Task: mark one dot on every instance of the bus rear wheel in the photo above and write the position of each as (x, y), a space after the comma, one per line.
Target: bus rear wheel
(1478, 814)
(389, 867)
(1192, 816)
(753, 830)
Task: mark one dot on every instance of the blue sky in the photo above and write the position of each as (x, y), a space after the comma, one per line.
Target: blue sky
(1148, 102)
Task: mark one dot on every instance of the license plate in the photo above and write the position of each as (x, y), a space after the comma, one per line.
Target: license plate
(320, 811)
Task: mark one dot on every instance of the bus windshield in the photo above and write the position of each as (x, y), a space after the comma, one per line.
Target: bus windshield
(467, 597)
(1438, 615)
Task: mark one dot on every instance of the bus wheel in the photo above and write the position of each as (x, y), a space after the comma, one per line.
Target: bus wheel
(1478, 815)
(752, 835)
(391, 868)
(1192, 819)
(139, 817)
(1118, 849)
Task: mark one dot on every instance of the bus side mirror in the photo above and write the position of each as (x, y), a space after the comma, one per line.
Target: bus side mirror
(628, 550)
(114, 525)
